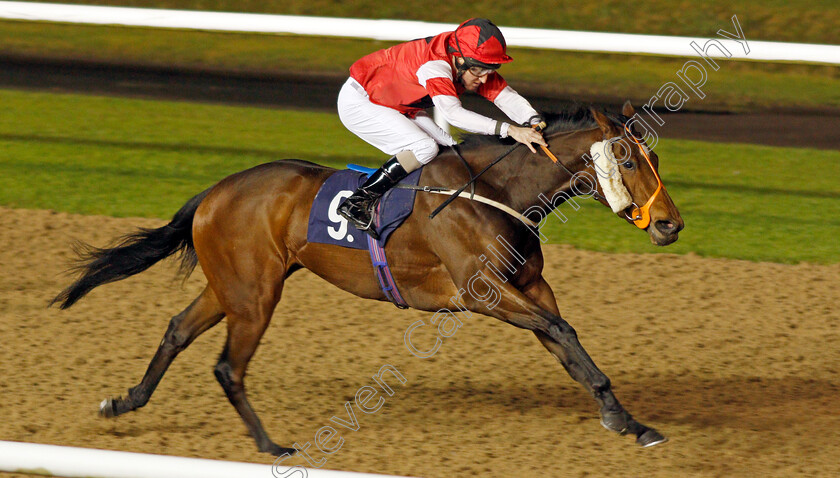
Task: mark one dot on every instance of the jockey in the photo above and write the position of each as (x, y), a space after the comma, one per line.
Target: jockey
(384, 99)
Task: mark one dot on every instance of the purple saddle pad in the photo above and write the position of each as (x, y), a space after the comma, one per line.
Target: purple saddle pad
(327, 227)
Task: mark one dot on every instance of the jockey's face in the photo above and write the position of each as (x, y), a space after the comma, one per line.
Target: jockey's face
(473, 78)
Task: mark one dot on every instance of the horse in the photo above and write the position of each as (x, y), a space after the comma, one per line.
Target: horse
(248, 232)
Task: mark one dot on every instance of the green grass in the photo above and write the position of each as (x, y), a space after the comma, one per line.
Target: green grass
(124, 157)
(583, 76)
(101, 155)
(742, 201)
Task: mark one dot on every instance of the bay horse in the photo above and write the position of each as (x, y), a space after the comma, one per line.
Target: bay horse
(248, 233)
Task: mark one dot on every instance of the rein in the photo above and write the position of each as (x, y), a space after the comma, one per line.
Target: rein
(640, 215)
(471, 183)
(553, 158)
(454, 148)
(458, 192)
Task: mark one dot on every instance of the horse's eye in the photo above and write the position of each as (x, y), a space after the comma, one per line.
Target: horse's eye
(630, 165)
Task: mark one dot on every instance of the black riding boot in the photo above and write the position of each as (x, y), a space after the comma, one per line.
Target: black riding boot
(358, 208)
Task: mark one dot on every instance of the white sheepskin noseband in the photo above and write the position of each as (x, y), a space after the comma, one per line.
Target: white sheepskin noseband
(609, 177)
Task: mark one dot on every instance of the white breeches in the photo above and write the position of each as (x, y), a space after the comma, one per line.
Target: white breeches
(387, 129)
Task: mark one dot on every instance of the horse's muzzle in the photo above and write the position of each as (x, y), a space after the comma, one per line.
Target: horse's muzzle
(665, 232)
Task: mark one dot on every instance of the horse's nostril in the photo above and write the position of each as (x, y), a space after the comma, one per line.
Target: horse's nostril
(665, 227)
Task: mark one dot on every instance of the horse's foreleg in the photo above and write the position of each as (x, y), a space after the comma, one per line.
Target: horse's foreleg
(244, 333)
(562, 342)
(202, 314)
(536, 309)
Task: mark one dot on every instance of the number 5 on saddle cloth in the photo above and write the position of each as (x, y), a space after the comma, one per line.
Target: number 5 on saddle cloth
(327, 227)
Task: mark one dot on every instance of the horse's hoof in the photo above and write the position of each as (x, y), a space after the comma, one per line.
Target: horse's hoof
(106, 408)
(278, 450)
(650, 437)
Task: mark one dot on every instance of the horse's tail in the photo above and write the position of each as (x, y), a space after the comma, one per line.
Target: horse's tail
(134, 253)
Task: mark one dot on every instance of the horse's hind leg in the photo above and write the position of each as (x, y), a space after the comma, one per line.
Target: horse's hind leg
(201, 315)
(247, 322)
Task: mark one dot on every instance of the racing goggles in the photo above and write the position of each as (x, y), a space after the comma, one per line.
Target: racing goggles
(479, 71)
(479, 68)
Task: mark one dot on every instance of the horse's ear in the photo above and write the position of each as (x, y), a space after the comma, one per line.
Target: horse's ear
(628, 110)
(607, 126)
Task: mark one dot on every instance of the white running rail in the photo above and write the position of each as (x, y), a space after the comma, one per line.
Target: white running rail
(400, 30)
(72, 462)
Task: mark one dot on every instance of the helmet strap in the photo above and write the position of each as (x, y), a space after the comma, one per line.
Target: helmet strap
(459, 68)
(462, 67)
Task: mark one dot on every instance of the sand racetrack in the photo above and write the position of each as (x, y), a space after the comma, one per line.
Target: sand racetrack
(737, 362)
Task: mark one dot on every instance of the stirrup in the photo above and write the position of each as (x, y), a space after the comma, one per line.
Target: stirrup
(358, 222)
(369, 229)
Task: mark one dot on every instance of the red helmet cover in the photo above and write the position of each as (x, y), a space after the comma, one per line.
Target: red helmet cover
(480, 39)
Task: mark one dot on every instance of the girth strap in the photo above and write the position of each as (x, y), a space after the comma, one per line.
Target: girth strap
(382, 271)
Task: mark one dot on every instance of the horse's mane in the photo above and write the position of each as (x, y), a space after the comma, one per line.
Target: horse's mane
(573, 118)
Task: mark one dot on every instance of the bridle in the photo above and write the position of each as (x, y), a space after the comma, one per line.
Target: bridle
(641, 215)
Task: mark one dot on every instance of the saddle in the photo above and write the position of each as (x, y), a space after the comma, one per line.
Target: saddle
(327, 227)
